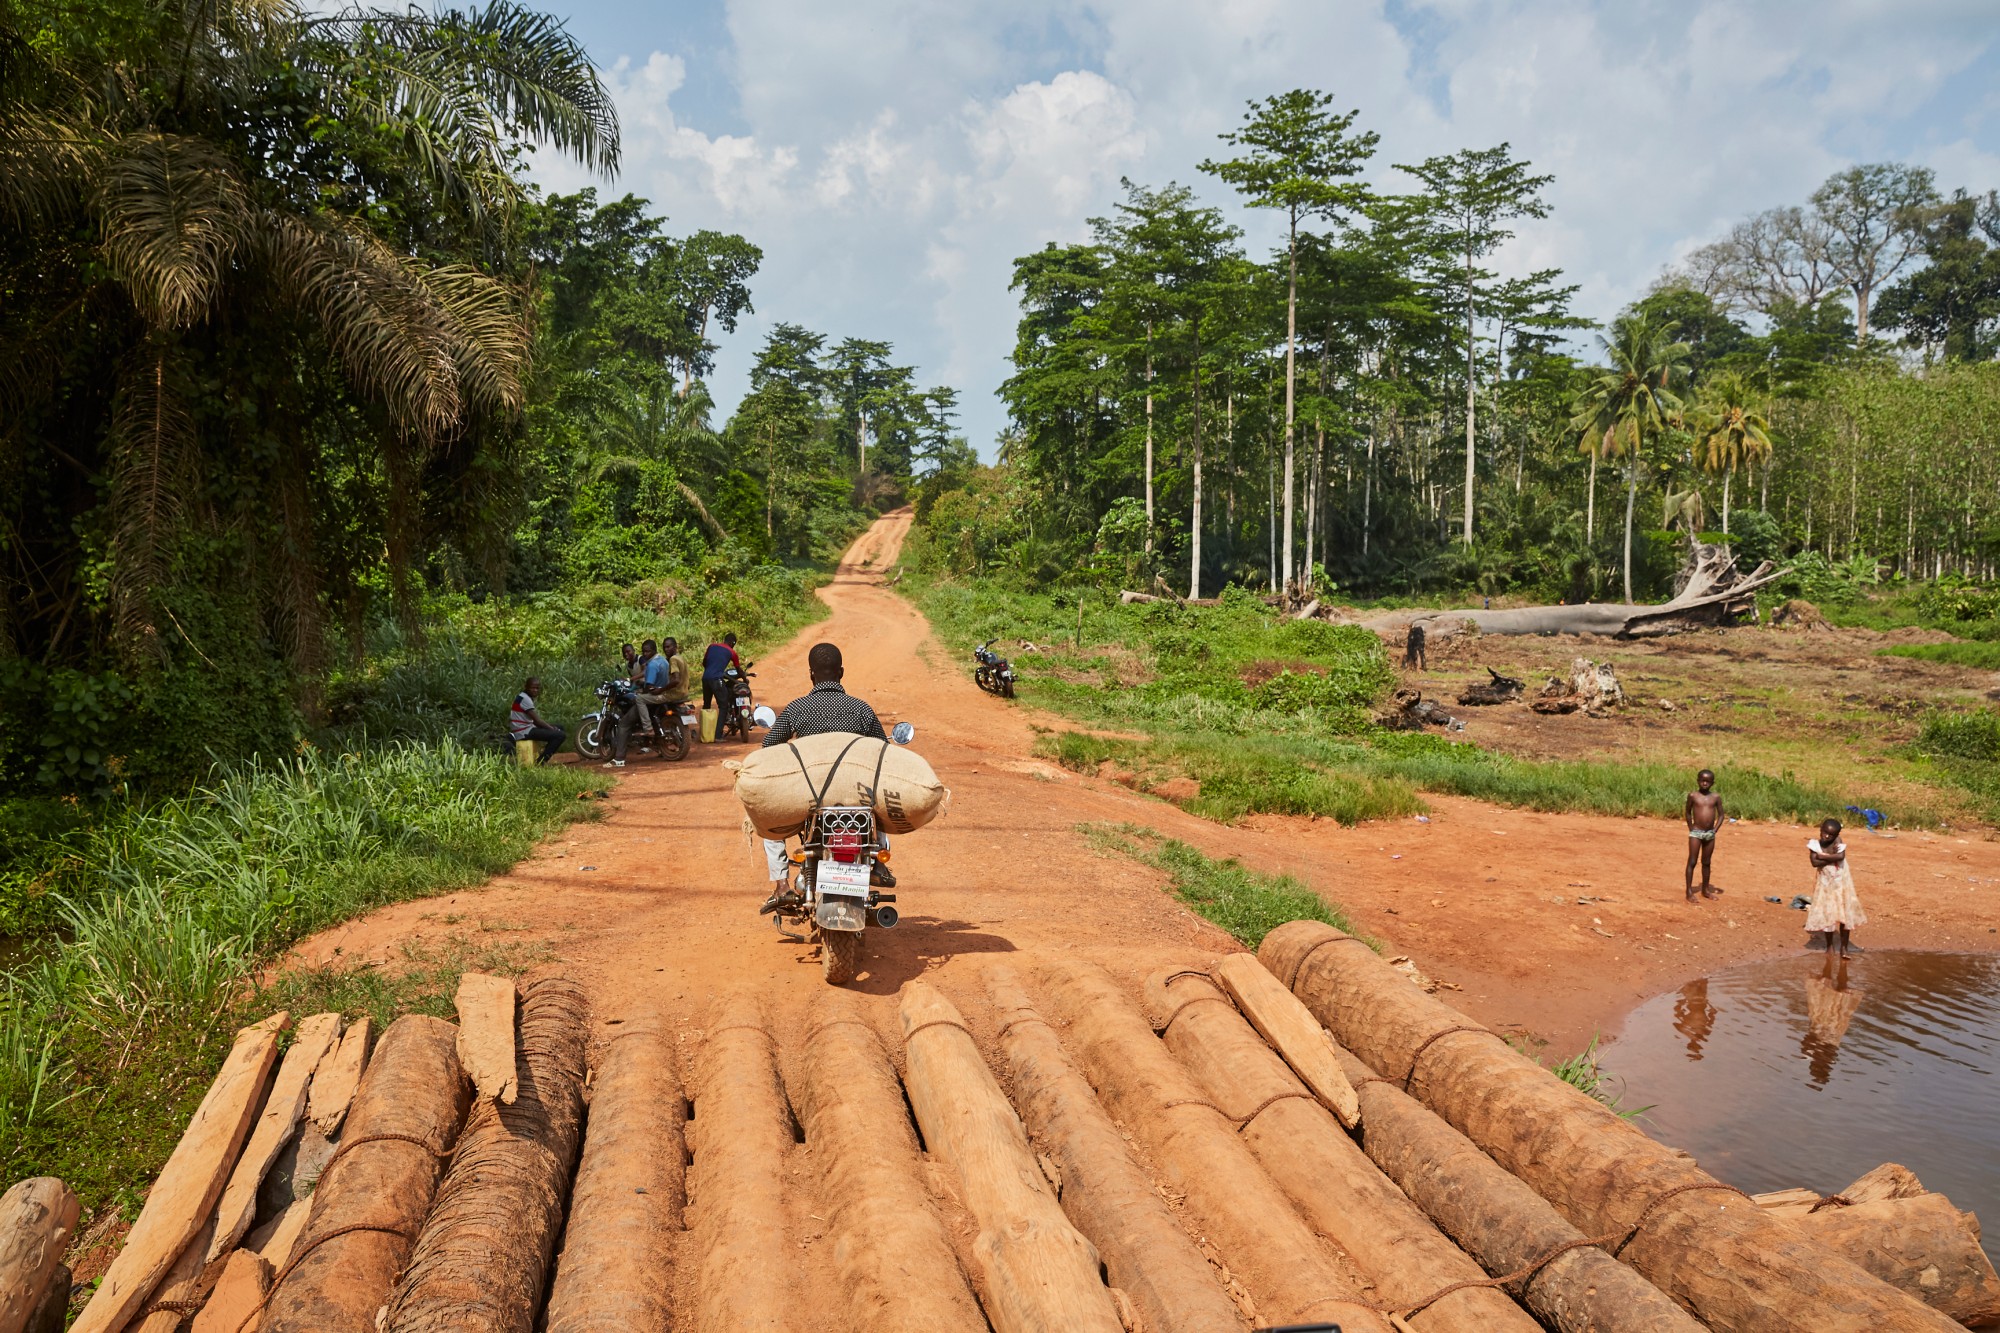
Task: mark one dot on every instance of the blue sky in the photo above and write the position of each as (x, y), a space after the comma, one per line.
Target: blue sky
(892, 157)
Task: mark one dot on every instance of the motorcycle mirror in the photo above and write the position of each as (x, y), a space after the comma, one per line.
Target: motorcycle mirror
(902, 733)
(763, 716)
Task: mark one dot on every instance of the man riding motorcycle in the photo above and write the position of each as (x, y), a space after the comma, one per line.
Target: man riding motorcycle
(827, 706)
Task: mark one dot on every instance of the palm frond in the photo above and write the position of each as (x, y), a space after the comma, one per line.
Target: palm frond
(490, 331)
(46, 160)
(174, 212)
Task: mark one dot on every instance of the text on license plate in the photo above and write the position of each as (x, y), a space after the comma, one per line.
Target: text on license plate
(842, 877)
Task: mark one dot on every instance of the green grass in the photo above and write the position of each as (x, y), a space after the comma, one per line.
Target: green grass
(1249, 904)
(1981, 655)
(110, 1029)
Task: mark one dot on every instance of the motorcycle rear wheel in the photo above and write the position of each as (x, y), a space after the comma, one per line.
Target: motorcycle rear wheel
(1006, 689)
(590, 739)
(675, 747)
(839, 955)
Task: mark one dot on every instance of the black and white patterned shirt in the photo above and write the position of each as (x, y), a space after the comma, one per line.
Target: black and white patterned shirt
(826, 707)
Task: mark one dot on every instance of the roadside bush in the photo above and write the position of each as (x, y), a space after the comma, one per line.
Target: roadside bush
(1974, 735)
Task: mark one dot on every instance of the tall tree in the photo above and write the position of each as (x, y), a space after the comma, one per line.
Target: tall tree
(1301, 160)
(712, 272)
(1468, 195)
(1950, 308)
(1631, 401)
(1875, 216)
(1730, 431)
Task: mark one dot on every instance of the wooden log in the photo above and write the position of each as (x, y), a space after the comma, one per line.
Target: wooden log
(1146, 1252)
(1919, 1244)
(486, 1035)
(184, 1289)
(274, 1240)
(1291, 1031)
(1334, 1186)
(37, 1222)
(238, 1296)
(275, 1126)
(742, 1144)
(1502, 1223)
(1041, 1275)
(375, 1194)
(482, 1257)
(616, 1268)
(894, 1260)
(1712, 1250)
(1890, 1180)
(52, 1311)
(334, 1084)
(1291, 1274)
(184, 1196)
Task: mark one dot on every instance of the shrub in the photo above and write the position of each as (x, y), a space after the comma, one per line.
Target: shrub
(1974, 735)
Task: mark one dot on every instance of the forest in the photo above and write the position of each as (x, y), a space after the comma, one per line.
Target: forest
(1373, 408)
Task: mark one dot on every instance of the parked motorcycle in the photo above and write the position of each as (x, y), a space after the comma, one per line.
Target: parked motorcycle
(739, 707)
(832, 898)
(673, 730)
(994, 674)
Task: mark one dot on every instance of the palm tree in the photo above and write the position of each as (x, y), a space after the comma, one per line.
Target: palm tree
(250, 159)
(1730, 431)
(1630, 401)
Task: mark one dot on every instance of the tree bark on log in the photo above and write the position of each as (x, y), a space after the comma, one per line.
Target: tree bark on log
(1920, 1244)
(1041, 1275)
(183, 1199)
(742, 1141)
(376, 1192)
(1713, 592)
(279, 1120)
(1712, 1250)
(37, 1222)
(1103, 1191)
(480, 1261)
(1334, 1186)
(1501, 1222)
(1291, 1273)
(889, 1246)
(616, 1270)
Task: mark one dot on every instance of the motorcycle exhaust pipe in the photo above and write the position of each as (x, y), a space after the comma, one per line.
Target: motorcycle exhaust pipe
(886, 915)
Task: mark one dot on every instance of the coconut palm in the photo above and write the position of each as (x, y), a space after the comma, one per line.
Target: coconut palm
(1631, 401)
(250, 160)
(1730, 431)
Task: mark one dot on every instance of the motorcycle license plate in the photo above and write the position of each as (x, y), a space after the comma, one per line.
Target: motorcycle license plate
(842, 877)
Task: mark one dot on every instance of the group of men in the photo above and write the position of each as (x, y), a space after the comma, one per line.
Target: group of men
(660, 679)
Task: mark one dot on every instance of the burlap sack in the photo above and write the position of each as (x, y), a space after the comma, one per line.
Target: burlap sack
(777, 784)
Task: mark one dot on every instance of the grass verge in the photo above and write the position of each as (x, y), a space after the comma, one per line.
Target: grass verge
(110, 1030)
(1980, 655)
(1247, 903)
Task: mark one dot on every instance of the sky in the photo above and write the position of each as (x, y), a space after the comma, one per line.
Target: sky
(893, 157)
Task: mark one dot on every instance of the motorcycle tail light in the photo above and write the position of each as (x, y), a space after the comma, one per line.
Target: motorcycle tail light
(844, 847)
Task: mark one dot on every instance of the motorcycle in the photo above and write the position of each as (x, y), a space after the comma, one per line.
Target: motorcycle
(739, 707)
(673, 731)
(832, 899)
(994, 674)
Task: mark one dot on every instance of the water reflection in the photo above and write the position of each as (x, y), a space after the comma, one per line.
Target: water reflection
(1810, 1071)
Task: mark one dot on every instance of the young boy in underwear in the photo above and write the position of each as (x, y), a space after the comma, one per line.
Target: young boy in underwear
(1704, 817)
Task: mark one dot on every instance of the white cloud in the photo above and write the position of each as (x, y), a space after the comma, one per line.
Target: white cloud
(897, 155)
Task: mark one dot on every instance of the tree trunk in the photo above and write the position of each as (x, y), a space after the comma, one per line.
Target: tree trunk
(1502, 1223)
(373, 1197)
(1041, 1275)
(616, 1268)
(742, 1141)
(1149, 437)
(1470, 363)
(1288, 1271)
(1921, 1245)
(893, 1256)
(1146, 1253)
(37, 1223)
(1727, 478)
(1631, 504)
(1721, 1257)
(1368, 491)
(482, 1257)
(1334, 1186)
(1590, 505)
(1194, 564)
(1291, 344)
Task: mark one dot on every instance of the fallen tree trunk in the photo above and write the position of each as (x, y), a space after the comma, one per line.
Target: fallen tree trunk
(1501, 1222)
(1289, 1272)
(1920, 1244)
(184, 1197)
(283, 1108)
(37, 1222)
(376, 1192)
(742, 1140)
(889, 1246)
(1714, 593)
(1331, 1182)
(1102, 1190)
(616, 1268)
(481, 1258)
(1705, 1245)
(1041, 1275)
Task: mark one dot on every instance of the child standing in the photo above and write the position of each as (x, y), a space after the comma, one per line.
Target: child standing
(1704, 816)
(1836, 909)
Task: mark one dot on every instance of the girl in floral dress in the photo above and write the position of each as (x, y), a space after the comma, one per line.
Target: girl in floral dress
(1836, 909)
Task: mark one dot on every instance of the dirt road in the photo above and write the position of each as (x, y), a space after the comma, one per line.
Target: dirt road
(656, 905)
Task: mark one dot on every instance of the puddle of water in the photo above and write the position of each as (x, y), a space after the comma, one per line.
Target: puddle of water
(1805, 1072)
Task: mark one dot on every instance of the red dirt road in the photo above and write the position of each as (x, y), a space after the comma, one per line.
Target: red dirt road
(655, 907)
